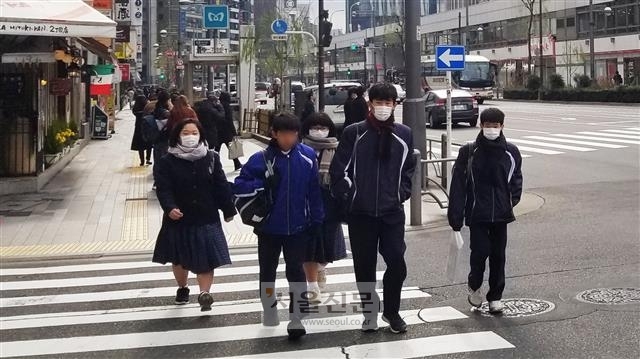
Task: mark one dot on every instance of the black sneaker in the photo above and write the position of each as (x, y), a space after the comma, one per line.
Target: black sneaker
(295, 329)
(396, 325)
(205, 299)
(149, 163)
(182, 296)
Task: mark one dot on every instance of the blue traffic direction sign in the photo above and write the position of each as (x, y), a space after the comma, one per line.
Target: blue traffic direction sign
(216, 17)
(449, 58)
(279, 26)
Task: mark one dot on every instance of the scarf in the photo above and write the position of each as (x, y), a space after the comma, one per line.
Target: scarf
(189, 154)
(327, 149)
(384, 130)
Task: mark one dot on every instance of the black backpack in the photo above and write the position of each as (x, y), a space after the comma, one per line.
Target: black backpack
(150, 130)
(255, 209)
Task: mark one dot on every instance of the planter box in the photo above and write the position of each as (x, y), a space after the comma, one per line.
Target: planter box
(50, 160)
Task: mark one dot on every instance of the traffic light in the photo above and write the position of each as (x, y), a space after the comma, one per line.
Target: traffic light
(161, 76)
(349, 73)
(325, 29)
(354, 47)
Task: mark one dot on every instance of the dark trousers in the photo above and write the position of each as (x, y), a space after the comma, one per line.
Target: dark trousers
(294, 248)
(488, 240)
(386, 234)
(142, 156)
(236, 162)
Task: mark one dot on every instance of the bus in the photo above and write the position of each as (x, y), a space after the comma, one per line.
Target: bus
(478, 76)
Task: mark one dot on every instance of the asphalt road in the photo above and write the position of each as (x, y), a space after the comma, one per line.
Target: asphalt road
(585, 236)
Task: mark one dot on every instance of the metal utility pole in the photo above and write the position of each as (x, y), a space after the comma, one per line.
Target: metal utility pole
(541, 62)
(592, 59)
(413, 113)
(459, 28)
(320, 58)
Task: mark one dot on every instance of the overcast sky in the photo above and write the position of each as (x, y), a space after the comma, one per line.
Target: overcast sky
(338, 20)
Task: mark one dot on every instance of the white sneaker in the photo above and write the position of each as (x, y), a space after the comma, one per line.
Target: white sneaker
(322, 278)
(475, 297)
(313, 293)
(496, 307)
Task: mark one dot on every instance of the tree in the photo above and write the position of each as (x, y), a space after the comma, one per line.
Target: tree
(530, 6)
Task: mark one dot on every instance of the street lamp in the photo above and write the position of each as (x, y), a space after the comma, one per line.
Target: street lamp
(163, 33)
(352, 13)
(592, 60)
(156, 46)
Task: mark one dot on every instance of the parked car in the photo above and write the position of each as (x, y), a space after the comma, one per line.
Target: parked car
(402, 94)
(262, 92)
(464, 108)
(335, 95)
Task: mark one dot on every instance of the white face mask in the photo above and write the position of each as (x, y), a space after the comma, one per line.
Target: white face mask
(382, 113)
(354, 96)
(319, 133)
(491, 133)
(190, 141)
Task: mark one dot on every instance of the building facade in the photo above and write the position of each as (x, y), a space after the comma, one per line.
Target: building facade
(498, 30)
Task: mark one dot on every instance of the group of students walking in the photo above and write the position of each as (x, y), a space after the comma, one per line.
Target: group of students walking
(317, 184)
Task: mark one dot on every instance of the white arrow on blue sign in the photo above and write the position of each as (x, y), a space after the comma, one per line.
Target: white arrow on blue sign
(216, 17)
(450, 58)
(279, 26)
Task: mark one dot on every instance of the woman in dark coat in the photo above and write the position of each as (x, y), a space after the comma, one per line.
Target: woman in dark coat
(227, 129)
(192, 188)
(138, 143)
(319, 133)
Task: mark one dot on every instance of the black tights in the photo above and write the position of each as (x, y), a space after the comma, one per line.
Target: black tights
(142, 156)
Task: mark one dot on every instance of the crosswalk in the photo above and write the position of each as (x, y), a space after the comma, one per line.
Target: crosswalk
(562, 143)
(124, 308)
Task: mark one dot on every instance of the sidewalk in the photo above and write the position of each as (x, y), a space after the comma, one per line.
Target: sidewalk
(102, 203)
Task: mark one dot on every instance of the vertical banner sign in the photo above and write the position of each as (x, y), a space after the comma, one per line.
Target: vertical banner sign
(123, 11)
(136, 12)
(101, 80)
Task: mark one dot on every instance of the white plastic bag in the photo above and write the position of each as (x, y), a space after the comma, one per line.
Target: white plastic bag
(459, 258)
(235, 149)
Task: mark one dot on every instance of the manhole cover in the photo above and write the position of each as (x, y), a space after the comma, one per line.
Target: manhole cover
(520, 307)
(610, 296)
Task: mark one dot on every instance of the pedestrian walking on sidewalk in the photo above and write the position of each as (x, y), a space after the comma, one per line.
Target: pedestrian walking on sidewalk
(161, 114)
(319, 133)
(372, 173)
(138, 143)
(359, 108)
(309, 107)
(226, 128)
(192, 188)
(181, 111)
(485, 186)
(295, 218)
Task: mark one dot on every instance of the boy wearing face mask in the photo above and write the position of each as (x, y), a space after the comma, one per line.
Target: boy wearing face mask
(372, 172)
(486, 184)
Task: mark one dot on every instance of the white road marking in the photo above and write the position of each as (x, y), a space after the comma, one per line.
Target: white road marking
(137, 277)
(553, 145)
(57, 346)
(539, 150)
(598, 139)
(193, 310)
(625, 132)
(252, 285)
(568, 118)
(587, 143)
(400, 349)
(610, 135)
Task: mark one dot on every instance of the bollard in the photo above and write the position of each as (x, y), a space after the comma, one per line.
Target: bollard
(443, 165)
(416, 191)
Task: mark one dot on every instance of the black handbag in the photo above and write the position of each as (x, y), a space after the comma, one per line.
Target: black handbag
(254, 208)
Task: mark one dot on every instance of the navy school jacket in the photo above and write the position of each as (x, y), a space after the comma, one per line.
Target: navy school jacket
(297, 196)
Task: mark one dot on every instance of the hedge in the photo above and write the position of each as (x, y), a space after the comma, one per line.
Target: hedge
(620, 94)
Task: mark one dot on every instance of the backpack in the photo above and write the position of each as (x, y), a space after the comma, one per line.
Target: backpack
(150, 131)
(254, 209)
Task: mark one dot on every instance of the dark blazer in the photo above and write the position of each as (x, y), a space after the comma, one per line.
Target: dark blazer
(208, 117)
(226, 128)
(358, 111)
(199, 189)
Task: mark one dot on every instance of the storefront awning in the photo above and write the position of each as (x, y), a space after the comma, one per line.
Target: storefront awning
(61, 18)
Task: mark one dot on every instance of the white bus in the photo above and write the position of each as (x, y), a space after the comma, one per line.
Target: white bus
(478, 76)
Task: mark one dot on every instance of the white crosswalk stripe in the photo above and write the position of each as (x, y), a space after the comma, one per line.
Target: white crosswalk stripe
(610, 135)
(553, 145)
(125, 309)
(585, 143)
(596, 138)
